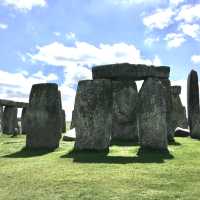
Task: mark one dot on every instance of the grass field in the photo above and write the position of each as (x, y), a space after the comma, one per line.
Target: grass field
(120, 174)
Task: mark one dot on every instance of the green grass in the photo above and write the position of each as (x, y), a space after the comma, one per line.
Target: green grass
(120, 174)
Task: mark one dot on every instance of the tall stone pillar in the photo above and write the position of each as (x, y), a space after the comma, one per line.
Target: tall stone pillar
(1, 116)
(43, 117)
(9, 120)
(193, 104)
(152, 111)
(92, 114)
(124, 117)
(24, 124)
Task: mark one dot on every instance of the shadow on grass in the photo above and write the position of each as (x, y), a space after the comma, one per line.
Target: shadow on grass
(26, 153)
(174, 143)
(124, 143)
(143, 156)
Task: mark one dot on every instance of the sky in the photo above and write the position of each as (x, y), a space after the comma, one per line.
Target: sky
(60, 40)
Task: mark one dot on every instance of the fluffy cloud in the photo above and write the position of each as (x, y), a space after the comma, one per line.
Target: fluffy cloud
(174, 40)
(189, 13)
(192, 30)
(24, 5)
(160, 19)
(176, 2)
(77, 61)
(151, 40)
(3, 26)
(195, 58)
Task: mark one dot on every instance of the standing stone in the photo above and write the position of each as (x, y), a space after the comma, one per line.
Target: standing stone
(152, 115)
(63, 121)
(193, 104)
(92, 111)
(170, 131)
(124, 118)
(43, 116)
(9, 120)
(1, 116)
(178, 114)
(24, 124)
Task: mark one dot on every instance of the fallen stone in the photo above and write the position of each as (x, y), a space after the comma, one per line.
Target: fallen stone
(44, 117)
(9, 120)
(126, 71)
(152, 115)
(181, 132)
(124, 117)
(93, 108)
(70, 135)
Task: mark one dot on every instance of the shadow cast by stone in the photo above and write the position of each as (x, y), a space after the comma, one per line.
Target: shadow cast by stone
(26, 153)
(102, 157)
(175, 143)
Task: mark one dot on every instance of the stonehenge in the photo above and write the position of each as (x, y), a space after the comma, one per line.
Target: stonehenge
(144, 115)
(43, 116)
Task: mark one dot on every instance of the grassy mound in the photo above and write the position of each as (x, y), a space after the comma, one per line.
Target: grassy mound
(117, 174)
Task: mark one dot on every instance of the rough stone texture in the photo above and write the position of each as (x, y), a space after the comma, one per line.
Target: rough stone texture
(24, 124)
(9, 120)
(124, 117)
(1, 116)
(43, 117)
(152, 115)
(180, 132)
(170, 131)
(193, 104)
(63, 121)
(92, 111)
(178, 113)
(4, 102)
(72, 124)
(125, 71)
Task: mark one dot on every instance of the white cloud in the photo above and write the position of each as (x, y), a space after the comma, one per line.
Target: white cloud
(71, 36)
(174, 40)
(3, 26)
(160, 19)
(151, 40)
(176, 2)
(77, 61)
(192, 30)
(189, 13)
(24, 5)
(57, 33)
(195, 58)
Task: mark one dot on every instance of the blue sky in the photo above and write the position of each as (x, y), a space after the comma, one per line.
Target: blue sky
(60, 40)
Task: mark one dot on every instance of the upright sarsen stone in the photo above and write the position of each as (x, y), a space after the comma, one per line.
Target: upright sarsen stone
(43, 116)
(9, 120)
(152, 115)
(178, 113)
(1, 116)
(92, 114)
(63, 121)
(193, 104)
(124, 117)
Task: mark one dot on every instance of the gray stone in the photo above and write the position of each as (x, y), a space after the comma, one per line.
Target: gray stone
(9, 120)
(193, 104)
(180, 132)
(124, 117)
(92, 111)
(24, 123)
(152, 115)
(178, 112)
(4, 102)
(43, 117)
(126, 71)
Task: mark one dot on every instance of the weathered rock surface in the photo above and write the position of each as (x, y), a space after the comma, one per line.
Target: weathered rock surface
(4, 102)
(180, 132)
(193, 104)
(24, 123)
(63, 120)
(178, 113)
(125, 71)
(9, 120)
(124, 117)
(152, 110)
(92, 111)
(43, 117)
